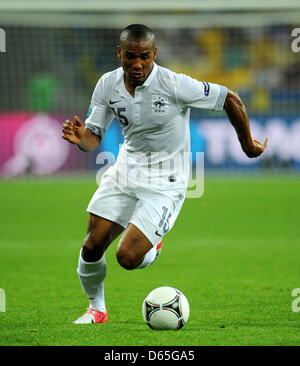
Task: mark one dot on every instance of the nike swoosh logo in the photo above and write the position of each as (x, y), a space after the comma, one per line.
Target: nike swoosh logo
(110, 102)
(156, 232)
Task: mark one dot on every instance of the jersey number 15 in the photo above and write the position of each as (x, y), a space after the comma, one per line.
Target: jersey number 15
(123, 120)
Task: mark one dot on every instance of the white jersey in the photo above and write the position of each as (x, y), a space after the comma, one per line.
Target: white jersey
(155, 122)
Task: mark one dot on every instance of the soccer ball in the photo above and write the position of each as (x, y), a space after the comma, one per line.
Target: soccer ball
(166, 308)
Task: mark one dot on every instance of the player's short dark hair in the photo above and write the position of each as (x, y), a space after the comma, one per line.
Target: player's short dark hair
(137, 33)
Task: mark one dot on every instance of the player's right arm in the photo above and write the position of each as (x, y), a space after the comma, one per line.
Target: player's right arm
(87, 136)
(76, 133)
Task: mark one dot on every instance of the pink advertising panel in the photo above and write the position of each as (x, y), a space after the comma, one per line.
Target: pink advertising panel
(32, 144)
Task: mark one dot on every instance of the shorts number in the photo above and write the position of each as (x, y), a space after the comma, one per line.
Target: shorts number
(166, 225)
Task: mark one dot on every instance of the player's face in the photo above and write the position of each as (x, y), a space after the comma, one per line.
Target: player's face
(137, 61)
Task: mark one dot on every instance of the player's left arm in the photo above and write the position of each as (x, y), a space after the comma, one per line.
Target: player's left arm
(238, 117)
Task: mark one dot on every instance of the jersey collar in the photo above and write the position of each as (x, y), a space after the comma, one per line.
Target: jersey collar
(151, 76)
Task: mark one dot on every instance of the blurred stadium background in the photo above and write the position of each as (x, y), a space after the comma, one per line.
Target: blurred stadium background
(57, 50)
(241, 241)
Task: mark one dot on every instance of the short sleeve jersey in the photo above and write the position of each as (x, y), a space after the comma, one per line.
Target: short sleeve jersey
(157, 118)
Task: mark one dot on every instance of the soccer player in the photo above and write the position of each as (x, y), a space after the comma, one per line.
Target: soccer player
(142, 193)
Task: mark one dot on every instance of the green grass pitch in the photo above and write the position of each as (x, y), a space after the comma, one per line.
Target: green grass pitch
(234, 253)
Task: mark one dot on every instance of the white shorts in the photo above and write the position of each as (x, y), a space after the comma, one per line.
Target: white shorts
(153, 212)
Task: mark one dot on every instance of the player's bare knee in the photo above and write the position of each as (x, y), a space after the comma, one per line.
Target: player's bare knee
(92, 248)
(126, 259)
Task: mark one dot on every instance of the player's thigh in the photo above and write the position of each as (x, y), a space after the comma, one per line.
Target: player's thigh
(153, 216)
(149, 222)
(113, 204)
(110, 210)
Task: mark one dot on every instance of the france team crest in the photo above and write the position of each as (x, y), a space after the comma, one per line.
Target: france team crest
(160, 105)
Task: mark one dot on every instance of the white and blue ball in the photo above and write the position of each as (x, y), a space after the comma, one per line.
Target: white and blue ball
(166, 308)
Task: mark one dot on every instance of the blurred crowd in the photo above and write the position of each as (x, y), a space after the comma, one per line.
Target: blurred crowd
(56, 69)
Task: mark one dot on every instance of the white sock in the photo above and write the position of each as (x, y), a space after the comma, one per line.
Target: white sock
(149, 258)
(91, 276)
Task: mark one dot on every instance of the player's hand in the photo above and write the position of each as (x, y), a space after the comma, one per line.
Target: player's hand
(256, 149)
(73, 130)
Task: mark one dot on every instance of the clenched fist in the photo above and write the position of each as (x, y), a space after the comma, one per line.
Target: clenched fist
(256, 149)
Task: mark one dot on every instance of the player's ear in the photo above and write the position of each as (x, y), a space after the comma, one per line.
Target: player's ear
(154, 53)
(119, 52)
